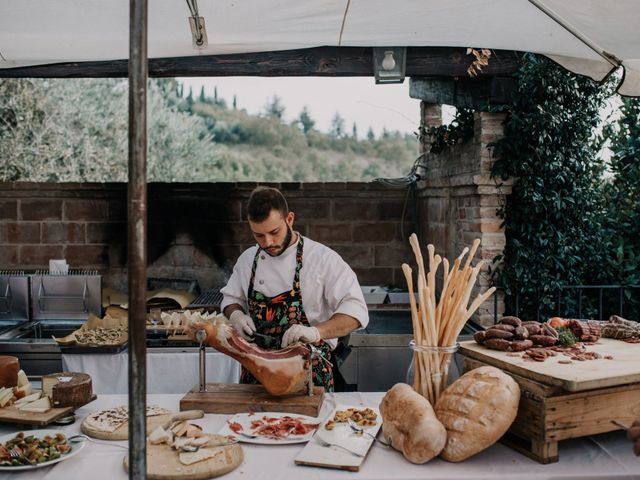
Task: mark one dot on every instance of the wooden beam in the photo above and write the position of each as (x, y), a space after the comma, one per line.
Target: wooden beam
(319, 62)
(478, 93)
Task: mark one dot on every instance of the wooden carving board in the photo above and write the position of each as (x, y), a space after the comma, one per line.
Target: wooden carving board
(122, 432)
(163, 463)
(11, 414)
(576, 376)
(239, 398)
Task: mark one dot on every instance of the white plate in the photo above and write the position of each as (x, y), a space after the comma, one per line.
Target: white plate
(75, 449)
(245, 419)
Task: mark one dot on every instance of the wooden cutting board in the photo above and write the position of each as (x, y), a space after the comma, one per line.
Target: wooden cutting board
(574, 377)
(163, 462)
(153, 422)
(330, 448)
(11, 414)
(240, 398)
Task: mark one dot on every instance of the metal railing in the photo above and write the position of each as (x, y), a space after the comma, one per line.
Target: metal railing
(563, 299)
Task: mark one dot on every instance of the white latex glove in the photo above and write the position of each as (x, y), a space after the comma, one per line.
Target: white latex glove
(300, 333)
(243, 324)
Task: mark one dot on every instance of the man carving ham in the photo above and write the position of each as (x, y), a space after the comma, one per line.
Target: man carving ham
(289, 288)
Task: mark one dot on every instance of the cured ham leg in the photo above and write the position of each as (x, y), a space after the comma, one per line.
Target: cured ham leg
(281, 372)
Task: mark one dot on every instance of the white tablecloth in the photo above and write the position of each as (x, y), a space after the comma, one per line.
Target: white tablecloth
(173, 371)
(604, 456)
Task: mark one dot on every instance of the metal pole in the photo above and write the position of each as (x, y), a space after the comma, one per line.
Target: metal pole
(137, 236)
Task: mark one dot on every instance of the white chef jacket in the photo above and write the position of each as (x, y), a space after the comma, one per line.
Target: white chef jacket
(327, 283)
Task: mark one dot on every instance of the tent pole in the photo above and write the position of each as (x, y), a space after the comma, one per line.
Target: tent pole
(137, 236)
(612, 59)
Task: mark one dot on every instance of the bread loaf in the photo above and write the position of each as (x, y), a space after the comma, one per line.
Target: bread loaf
(410, 424)
(477, 409)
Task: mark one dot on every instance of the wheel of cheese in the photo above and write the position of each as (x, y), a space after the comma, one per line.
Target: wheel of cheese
(68, 389)
(9, 368)
(477, 409)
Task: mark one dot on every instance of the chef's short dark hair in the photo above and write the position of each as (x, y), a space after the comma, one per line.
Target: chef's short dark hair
(263, 200)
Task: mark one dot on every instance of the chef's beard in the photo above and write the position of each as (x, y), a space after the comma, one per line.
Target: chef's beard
(283, 247)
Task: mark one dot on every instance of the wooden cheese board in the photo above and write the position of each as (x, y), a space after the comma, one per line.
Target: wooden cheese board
(11, 414)
(122, 432)
(563, 401)
(624, 368)
(240, 398)
(163, 462)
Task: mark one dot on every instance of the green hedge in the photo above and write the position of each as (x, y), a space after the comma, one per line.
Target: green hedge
(557, 221)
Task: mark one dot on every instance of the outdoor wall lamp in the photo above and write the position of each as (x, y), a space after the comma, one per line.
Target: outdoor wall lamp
(389, 64)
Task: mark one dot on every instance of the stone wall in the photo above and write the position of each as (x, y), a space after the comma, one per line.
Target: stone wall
(460, 198)
(196, 230)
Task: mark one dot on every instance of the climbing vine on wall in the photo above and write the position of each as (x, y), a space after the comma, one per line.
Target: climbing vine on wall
(442, 136)
(554, 216)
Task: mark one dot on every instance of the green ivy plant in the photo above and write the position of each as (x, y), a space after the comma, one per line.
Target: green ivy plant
(622, 198)
(442, 136)
(553, 218)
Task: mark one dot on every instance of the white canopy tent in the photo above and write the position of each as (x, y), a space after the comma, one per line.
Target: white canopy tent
(589, 37)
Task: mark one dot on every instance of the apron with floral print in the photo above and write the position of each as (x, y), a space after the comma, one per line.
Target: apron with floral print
(272, 316)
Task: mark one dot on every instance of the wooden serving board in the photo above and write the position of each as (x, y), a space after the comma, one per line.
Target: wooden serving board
(317, 453)
(573, 377)
(163, 463)
(240, 398)
(11, 414)
(122, 432)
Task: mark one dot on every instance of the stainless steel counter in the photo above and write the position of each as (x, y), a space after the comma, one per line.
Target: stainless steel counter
(39, 353)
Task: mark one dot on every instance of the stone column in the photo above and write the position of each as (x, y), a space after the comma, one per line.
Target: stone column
(460, 199)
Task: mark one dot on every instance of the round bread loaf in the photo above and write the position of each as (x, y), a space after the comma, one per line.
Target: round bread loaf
(410, 424)
(477, 409)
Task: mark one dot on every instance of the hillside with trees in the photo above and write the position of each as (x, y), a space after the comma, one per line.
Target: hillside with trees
(76, 130)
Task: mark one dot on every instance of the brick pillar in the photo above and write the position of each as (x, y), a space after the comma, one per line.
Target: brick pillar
(460, 199)
(430, 114)
(491, 195)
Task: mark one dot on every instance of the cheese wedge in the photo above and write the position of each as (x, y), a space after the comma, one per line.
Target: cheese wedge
(5, 396)
(29, 398)
(22, 378)
(160, 435)
(35, 409)
(189, 458)
(23, 391)
(37, 406)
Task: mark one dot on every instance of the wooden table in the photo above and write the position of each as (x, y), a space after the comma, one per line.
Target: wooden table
(563, 401)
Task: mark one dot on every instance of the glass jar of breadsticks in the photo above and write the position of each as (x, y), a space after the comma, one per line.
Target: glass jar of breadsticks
(438, 319)
(429, 370)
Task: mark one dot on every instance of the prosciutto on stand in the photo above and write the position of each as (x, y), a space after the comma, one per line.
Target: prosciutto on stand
(281, 372)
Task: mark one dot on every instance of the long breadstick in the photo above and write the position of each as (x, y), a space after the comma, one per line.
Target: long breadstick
(438, 322)
(445, 284)
(406, 269)
(472, 253)
(480, 299)
(417, 330)
(460, 306)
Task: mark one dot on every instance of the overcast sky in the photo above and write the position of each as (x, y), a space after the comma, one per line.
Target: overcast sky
(357, 99)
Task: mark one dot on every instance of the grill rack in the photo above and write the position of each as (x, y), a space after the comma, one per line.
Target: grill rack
(209, 299)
